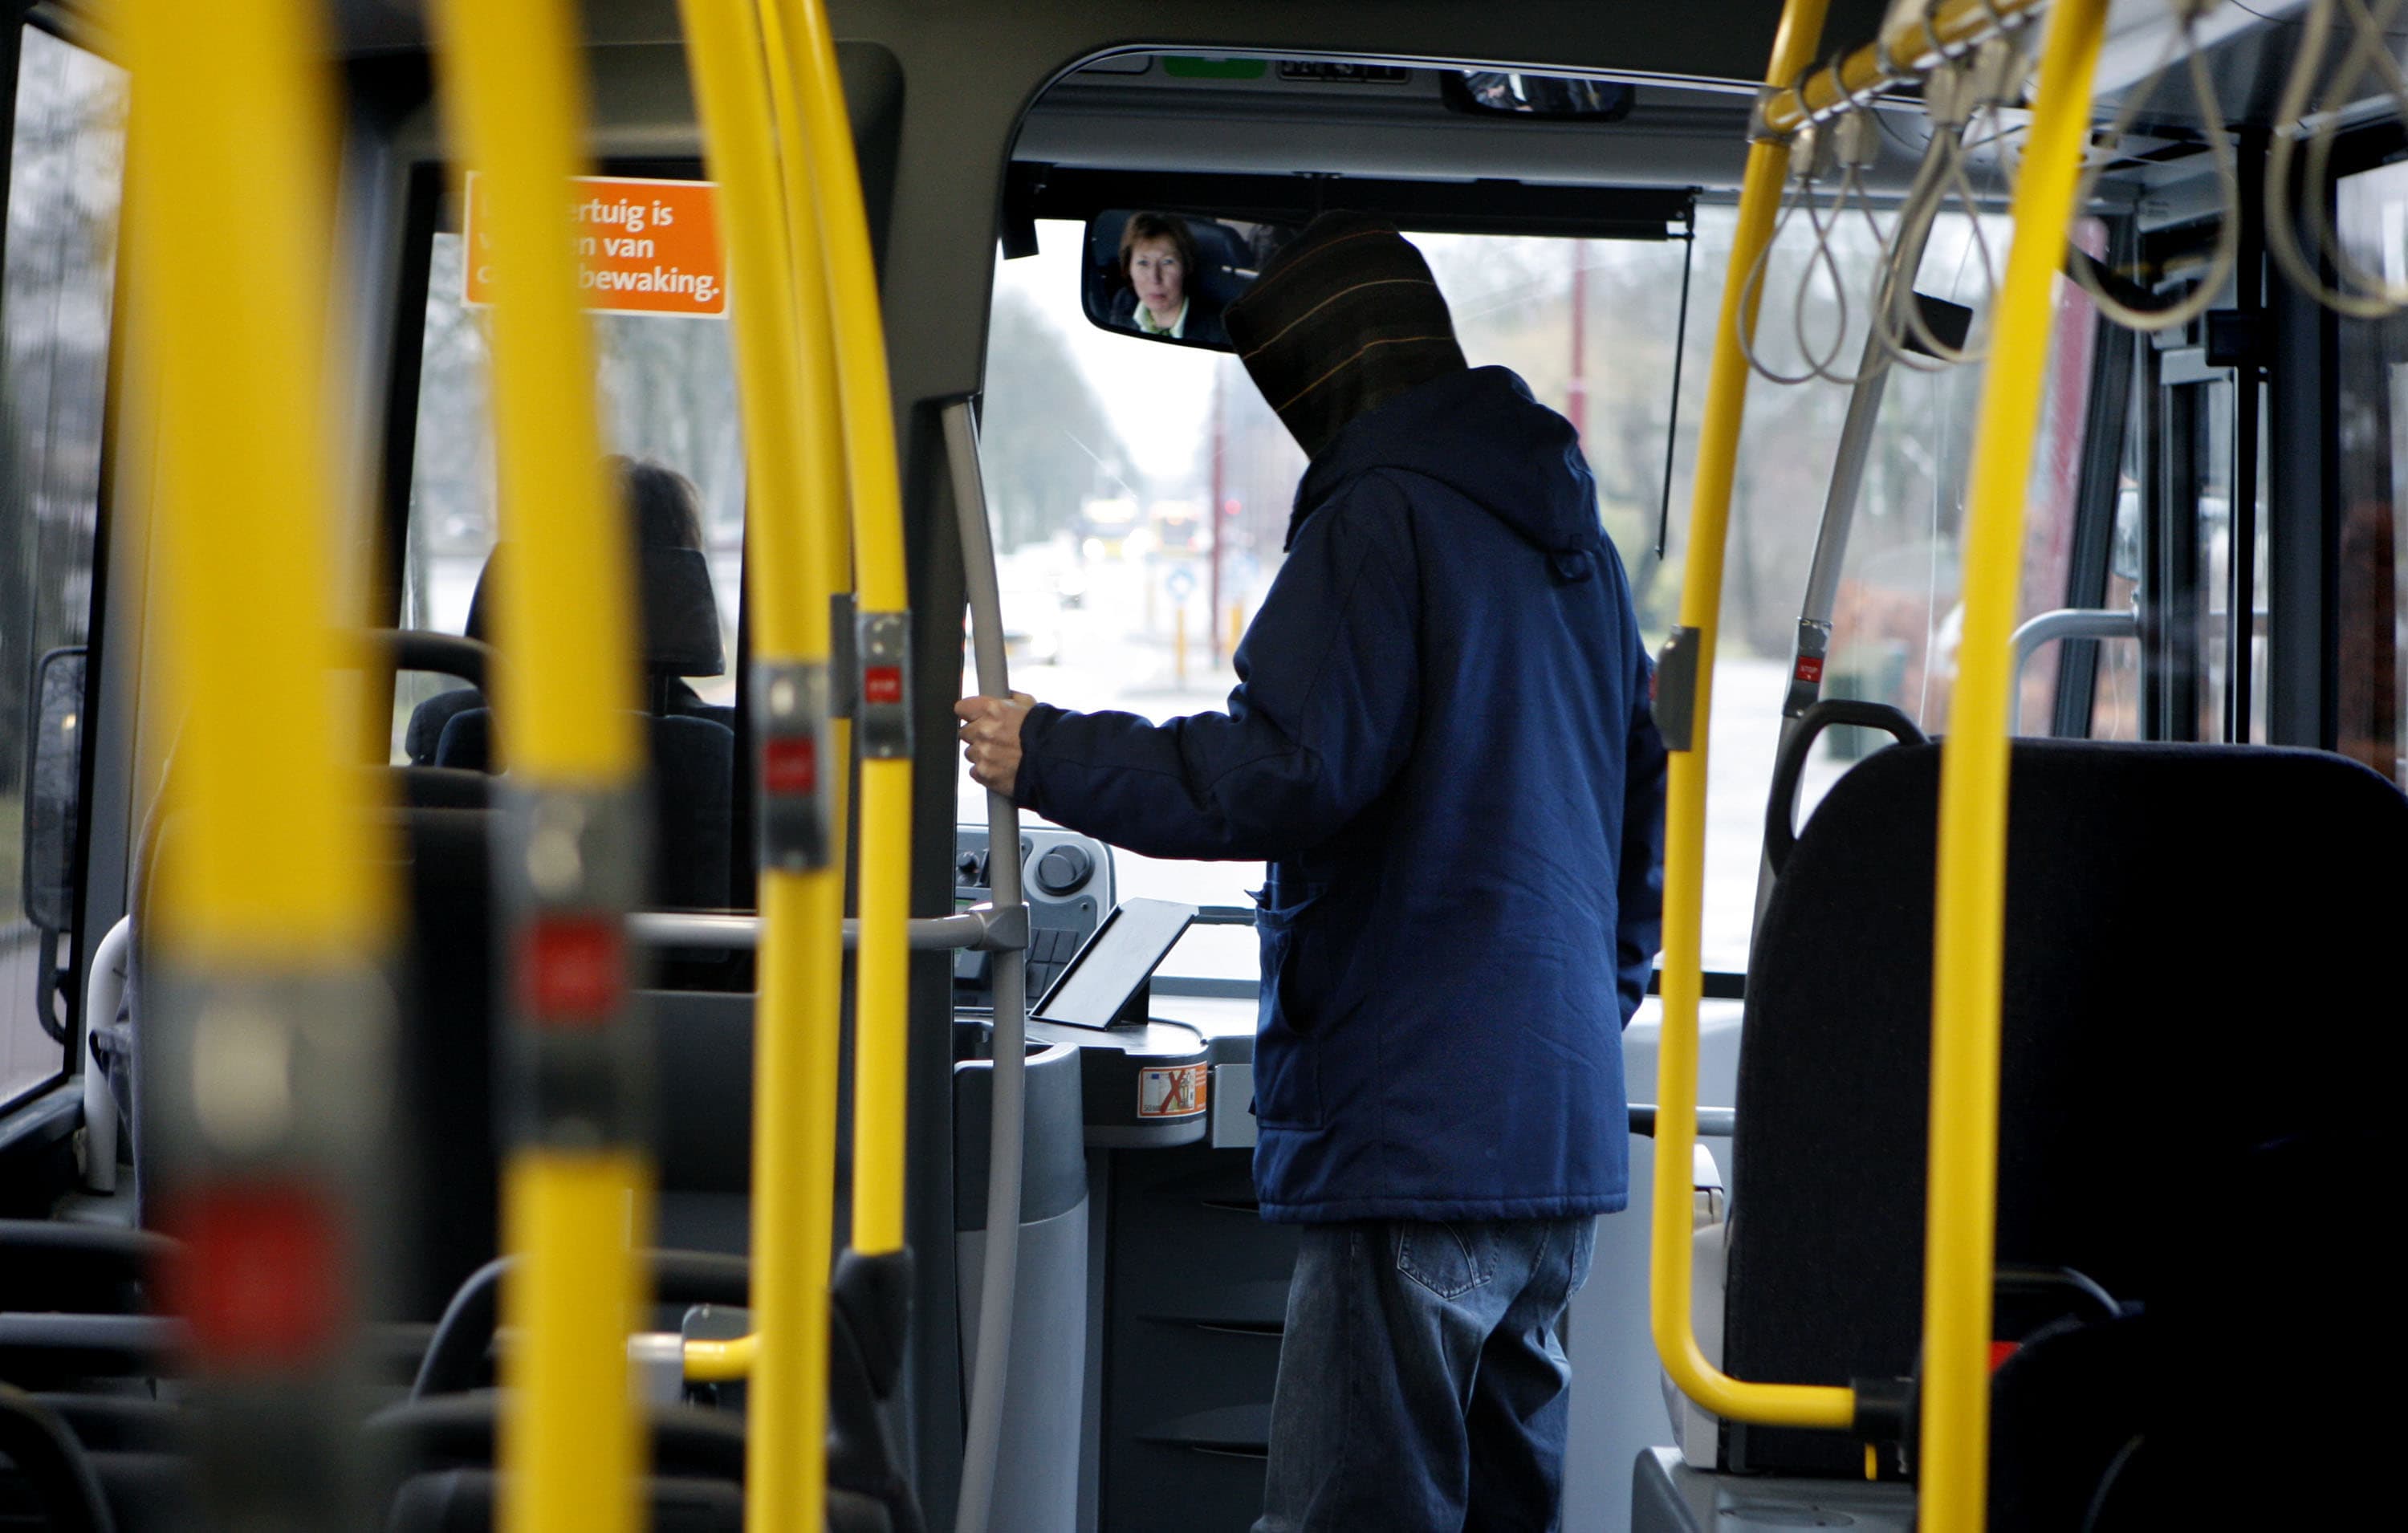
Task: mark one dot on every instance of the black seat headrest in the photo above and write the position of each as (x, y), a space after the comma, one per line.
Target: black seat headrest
(681, 635)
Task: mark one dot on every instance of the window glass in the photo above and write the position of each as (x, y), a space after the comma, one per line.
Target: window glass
(666, 385)
(667, 395)
(2372, 667)
(1106, 459)
(1142, 493)
(65, 168)
(2115, 686)
(2215, 543)
(1898, 615)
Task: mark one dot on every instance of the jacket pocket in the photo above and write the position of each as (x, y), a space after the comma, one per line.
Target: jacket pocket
(1287, 1055)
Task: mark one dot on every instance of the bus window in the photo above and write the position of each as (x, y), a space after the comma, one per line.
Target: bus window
(1895, 626)
(669, 395)
(2371, 669)
(1104, 459)
(2215, 541)
(1114, 470)
(66, 170)
(1896, 617)
(2116, 684)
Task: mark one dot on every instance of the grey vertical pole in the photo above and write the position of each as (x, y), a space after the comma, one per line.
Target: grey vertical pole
(1007, 1128)
(1814, 639)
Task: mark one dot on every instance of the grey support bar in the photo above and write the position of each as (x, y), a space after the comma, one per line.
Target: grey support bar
(2068, 622)
(981, 928)
(1713, 1123)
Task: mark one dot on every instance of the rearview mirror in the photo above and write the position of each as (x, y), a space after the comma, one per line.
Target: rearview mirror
(1168, 276)
(1561, 98)
(53, 776)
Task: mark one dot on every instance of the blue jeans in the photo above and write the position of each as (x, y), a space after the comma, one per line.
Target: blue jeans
(1421, 1383)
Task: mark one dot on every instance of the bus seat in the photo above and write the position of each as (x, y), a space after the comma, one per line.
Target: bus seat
(463, 1500)
(1227, 262)
(444, 1103)
(680, 635)
(46, 1264)
(46, 1459)
(2191, 943)
(692, 787)
(440, 788)
(424, 731)
(449, 1206)
(2065, 1407)
(457, 1431)
(444, 1448)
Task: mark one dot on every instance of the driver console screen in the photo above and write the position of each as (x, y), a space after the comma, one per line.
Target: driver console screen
(1119, 958)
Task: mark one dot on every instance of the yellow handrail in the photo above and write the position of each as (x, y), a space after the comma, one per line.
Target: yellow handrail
(1969, 948)
(272, 870)
(724, 1362)
(1701, 586)
(786, 374)
(272, 915)
(881, 1091)
(815, 326)
(571, 1447)
(1903, 53)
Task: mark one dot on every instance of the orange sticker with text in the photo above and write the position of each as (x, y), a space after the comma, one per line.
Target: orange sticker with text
(643, 246)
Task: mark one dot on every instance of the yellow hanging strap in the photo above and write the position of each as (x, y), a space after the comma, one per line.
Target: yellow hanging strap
(270, 1025)
(882, 698)
(569, 855)
(1684, 688)
(786, 373)
(1968, 955)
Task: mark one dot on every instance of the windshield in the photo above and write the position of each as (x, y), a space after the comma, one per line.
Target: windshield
(1141, 494)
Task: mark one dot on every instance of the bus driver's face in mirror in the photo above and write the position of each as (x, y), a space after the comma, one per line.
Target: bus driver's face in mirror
(1161, 282)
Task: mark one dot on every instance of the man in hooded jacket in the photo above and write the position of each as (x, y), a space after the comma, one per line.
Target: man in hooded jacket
(1441, 742)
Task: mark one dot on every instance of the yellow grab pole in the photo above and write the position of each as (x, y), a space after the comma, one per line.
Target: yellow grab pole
(1956, 25)
(883, 700)
(815, 327)
(787, 376)
(1684, 689)
(271, 1025)
(569, 852)
(723, 1362)
(273, 869)
(1968, 954)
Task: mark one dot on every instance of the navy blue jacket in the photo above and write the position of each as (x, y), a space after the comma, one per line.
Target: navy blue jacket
(1442, 741)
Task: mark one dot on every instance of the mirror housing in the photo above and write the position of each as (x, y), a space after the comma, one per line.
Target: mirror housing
(1204, 263)
(54, 789)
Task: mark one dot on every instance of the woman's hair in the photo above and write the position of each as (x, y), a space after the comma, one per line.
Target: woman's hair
(662, 505)
(1160, 226)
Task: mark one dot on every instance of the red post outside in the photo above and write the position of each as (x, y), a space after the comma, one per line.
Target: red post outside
(1217, 513)
(1576, 390)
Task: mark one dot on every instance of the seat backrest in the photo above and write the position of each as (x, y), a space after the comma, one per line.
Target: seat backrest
(447, 1042)
(2189, 931)
(445, 1211)
(692, 787)
(1222, 254)
(424, 734)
